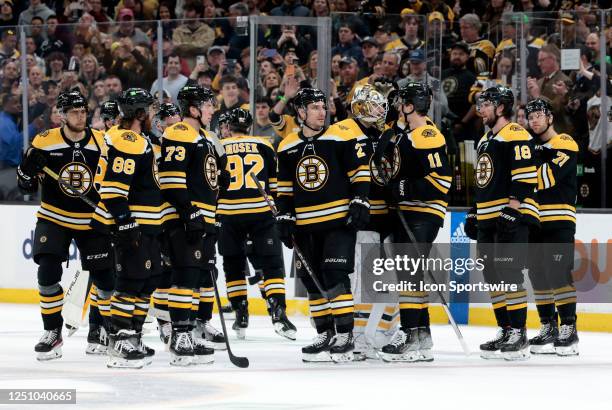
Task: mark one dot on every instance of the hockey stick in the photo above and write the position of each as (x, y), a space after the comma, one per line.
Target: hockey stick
(66, 185)
(451, 319)
(242, 362)
(297, 250)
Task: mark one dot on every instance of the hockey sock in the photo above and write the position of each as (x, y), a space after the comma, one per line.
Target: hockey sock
(180, 304)
(498, 300)
(51, 302)
(276, 287)
(262, 289)
(205, 307)
(104, 300)
(565, 299)
(389, 319)
(237, 292)
(122, 311)
(320, 311)
(141, 308)
(362, 315)
(195, 306)
(160, 299)
(545, 303)
(411, 304)
(516, 304)
(343, 309)
(424, 318)
(95, 318)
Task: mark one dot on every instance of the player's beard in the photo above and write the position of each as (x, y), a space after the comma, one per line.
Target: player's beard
(490, 122)
(75, 129)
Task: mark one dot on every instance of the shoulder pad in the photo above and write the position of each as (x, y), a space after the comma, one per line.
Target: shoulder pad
(246, 106)
(126, 141)
(563, 142)
(427, 137)
(181, 132)
(344, 130)
(513, 132)
(289, 142)
(486, 47)
(49, 140)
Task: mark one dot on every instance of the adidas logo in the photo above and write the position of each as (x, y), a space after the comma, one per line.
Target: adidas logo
(459, 235)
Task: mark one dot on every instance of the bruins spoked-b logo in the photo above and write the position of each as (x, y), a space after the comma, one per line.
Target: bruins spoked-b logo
(210, 171)
(389, 168)
(78, 177)
(311, 173)
(484, 170)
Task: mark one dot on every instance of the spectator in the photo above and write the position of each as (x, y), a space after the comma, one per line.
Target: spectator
(55, 117)
(482, 51)
(410, 40)
(94, 7)
(73, 11)
(128, 29)
(348, 78)
(114, 86)
(193, 37)
(51, 90)
(129, 63)
(239, 37)
(290, 8)
(272, 80)
(10, 75)
(290, 38)
(78, 50)
(311, 69)
(217, 64)
(56, 63)
(335, 67)
(174, 80)
(492, 15)
(11, 138)
(263, 126)
(9, 44)
(204, 79)
(98, 95)
(31, 50)
(391, 63)
(221, 26)
(521, 116)
(89, 71)
(35, 79)
(57, 38)
(86, 31)
(347, 43)
(382, 35)
(7, 16)
(456, 83)
(319, 8)
(37, 31)
(230, 99)
(369, 51)
(356, 23)
(36, 8)
(553, 85)
(165, 13)
(592, 42)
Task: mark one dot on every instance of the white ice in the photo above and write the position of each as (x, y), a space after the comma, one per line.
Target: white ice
(277, 378)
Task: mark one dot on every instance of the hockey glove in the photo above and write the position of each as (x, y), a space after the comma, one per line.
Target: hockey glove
(127, 235)
(508, 223)
(195, 226)
(33, 162)
(471, 224)
(286, 227)
(358, 214)
(224, 179)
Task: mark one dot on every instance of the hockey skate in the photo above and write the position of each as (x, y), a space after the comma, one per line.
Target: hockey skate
(181, 347)
(242, 320)
(122, 353)
(490, 349)
(203, 350)
(567, 342)
(342, 348)
(318, 350)
(363, 348)
(147, 351)
(50, 345)
(97, 341)
(282, 324)
(517, 345)
(425, 344)
(543, 342)
(404, 347)
(165, 331)
(211, 334)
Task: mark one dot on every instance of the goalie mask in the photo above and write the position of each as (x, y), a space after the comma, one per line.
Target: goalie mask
(369, 105)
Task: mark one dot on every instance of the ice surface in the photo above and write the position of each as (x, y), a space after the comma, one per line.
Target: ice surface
(277, 378)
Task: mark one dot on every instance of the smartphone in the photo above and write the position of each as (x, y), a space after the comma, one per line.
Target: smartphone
(200, 60)
(73, 64)
(269, 53)
(290, 69)
(231, 65)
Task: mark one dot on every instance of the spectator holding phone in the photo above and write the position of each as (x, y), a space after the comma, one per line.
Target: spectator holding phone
(193, 37)
(290, 38)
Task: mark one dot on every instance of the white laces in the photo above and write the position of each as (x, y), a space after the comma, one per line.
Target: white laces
(185, 340)
(566, 331)
(399, 338)
(49, 336)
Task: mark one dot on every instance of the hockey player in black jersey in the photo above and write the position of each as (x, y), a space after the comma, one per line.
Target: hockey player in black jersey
(323, 187)
(505, 178)
(552, 255)
(190, 181)
(72, 152)
(132, 212)
(109, 112)
(244, 215)
(419, 189)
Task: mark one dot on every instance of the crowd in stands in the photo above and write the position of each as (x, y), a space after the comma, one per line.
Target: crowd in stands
(457, 46)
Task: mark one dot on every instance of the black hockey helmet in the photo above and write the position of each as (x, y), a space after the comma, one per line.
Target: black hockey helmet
(167, 110)
(307, 96)
(539, 104)
(499, 95)
(193, 96)
(70, 99)
(109, 110)
(239, 120)
(417, 94)
(133, 101)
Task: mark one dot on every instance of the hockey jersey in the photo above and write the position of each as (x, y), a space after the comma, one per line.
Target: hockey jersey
(74, 163)
(188, 170)
(129, 183)
(505, 169)
(423, 162)
(319, 176)
(241, 201)
(557, 161)
(286, 125)
(481, 55)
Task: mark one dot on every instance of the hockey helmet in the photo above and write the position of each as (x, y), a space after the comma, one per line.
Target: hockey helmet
(109, 110)
(134, 101)
(239, 120)
(538, 105)
(307, 96)
(417, 94)
(69, 100)
(498, 95)
(167, 110)
(193, 96)
(369, 105)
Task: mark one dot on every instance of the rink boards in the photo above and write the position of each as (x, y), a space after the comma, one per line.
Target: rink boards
(18, 270)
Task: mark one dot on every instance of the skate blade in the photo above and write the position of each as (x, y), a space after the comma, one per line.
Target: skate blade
(120, 363)
(316, 357)
(148, 360)
(359, 357)
(218, 345)
(289, 334)
(70, 330)
(52, 355)
(180, 361)
(491, 355)
(96, 349)
(425, 355)
(240, 333)
(542, 349)
(520, 355)
(203, 359)
(406, 357)
(342, 357)
(567, 350)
